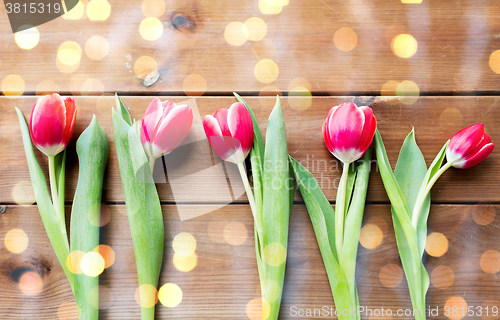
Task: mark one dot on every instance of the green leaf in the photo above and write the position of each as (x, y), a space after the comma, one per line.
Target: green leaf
(406, 236)
(410, 170)
(58, 238)
(323, 220)
(276, 207)
(122, 110)
(143, 205)
(93, 150)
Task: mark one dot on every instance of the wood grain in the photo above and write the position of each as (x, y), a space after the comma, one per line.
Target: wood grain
(454, 47)
(225, 278)
(435, 120)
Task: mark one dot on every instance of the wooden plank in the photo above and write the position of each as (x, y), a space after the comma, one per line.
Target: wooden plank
(225, 278)
(435, 120)
(453, 48)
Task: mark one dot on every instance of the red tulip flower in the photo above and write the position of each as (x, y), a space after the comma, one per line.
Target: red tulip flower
(469, 147)
(230, 132)
(348, 131)
(52, 123)
(164, 126)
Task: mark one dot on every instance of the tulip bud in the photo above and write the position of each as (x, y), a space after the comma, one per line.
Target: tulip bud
(52, 123)
(348, 131)
(469, 147)
(230, 132)
(164, 126)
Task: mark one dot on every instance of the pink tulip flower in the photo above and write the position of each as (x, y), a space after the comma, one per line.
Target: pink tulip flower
(230, 132)
(469, 147)
(348, 131)
(164, 126)
(52, 123)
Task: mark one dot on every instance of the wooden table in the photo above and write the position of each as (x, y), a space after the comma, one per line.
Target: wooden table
(431, 66)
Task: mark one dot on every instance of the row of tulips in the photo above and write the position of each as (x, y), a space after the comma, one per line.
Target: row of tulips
(233, 133)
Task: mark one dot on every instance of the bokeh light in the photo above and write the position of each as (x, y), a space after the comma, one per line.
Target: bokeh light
(73, 261)
(194, 85)
(16, 240)
(254, 309)
(266, 71)
(151, 28)
(153, 8)
(216, 230)
(484, 215)
(184, 244)
(13, 86)
(65, 68)
(31, 283)
(345, 39)
(76, 82)
(436, 244)
(47, 86)
(28, 38)
(185, 263)
(74, 14)
(442, 277)
(92, 87)
(404, 46)
(107, 253)
(236, 33)
(451, 117)
(69, 53)
(391, 275)
(274, 254)
(389, 88)
(23, 193)
(370, 236)
(264, 49)
(491, 310)
(408, 92)
(411, 1)
(170, 295)
(495, 61)
(299, 98)
(146, 296)
(98, 10)
(235, 233)
(145, 66)
(458, 304)
(97, 47)
(256, 28)
(104, 295)
(273, 290)
(270, 6)
(105, 215)
(265, 93)
(67, 311)
(92, 264)
(490, 262)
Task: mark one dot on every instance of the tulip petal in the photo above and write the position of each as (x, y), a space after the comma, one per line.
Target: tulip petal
(47, 124)
(346, 126)
(221, 116)
(227, 148)
(70, 106)
(173, 129)
(368, 130)
(241, 126)
(475, 158)
(151, 119)
(211, 126)
(464, 142)
(326, 136)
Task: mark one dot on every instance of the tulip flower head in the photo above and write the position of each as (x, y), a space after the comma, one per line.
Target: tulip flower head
(348, 131)
(164, 126)
(469, 147)
(230, 132)
(52, 123)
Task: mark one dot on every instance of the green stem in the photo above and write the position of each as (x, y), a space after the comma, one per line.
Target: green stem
(148, 313)
(424, 191)
(340, 209)
(152, 164)
(53, 190)
(250, 196)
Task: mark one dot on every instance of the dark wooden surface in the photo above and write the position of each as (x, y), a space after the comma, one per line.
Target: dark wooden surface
(450, 82)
